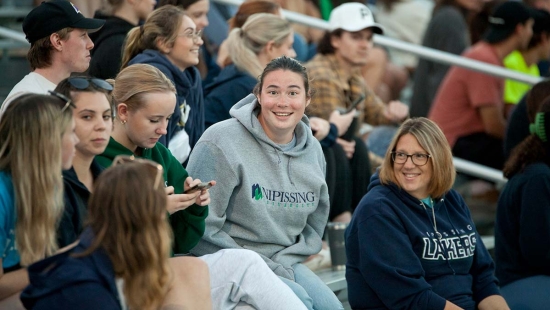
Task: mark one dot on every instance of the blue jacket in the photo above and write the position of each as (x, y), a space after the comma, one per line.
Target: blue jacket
(522, 229)
(65, 282)
(189, 90)
(395, 260)
(228, 88)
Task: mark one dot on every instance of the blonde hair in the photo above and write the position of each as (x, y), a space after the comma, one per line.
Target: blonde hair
(162, 25)
(31, 131)
(127, 215)
(244, 44)
(431, 139)
(133, 82)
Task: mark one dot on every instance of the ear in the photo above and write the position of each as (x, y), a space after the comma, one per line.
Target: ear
(56, 42)
(122, 111)
(162, 46)
(308, 100)
(269, 47)
(335, 41)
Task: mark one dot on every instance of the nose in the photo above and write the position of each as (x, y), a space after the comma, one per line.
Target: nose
(409, 163)
(292, 53)
(199, 41)
(161, 130)
(90, 44)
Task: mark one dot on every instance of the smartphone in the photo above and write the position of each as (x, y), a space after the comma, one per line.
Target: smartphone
(198, 187)
(353, 104)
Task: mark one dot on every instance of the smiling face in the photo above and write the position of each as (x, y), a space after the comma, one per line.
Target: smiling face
(75, 53)
(352, 47)
(68, 142)
(185, 51)
(146, 125)
(283, 100)
(93, 122)
(412, 178)
(198, 12)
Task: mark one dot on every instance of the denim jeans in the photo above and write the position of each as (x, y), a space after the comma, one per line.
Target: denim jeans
(311, 290)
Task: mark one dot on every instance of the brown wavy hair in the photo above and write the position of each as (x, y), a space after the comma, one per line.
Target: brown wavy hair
(431, 139)
(127, 215)
(532, 149)
(161, 25)
(31, 131)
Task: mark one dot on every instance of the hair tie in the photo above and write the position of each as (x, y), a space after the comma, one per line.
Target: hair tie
(241, 32)
(539, 127)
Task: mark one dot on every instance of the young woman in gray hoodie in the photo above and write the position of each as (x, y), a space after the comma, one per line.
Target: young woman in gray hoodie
(271, 196)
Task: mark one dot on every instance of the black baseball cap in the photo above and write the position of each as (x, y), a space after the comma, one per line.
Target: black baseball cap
(504, 20)
(54, 15)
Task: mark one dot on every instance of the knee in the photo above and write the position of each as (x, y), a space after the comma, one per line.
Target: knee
(242, 256)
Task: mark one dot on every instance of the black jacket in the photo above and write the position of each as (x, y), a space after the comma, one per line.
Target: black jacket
(108, 45)
(76, 205)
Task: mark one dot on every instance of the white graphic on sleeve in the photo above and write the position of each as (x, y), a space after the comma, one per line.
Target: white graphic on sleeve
(455, 247)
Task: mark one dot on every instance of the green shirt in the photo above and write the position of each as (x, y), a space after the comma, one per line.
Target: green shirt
(514, 90)
(187, 225)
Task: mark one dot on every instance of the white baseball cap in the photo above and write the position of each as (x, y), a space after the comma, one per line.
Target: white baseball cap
(352, 17)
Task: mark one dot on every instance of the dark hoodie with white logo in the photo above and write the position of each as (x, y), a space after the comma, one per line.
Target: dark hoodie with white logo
(267, 199)
(397, 261)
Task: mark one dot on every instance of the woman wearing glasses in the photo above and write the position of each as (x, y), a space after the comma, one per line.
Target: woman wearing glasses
(37, 134)
(411, 243)
(93, 125)
(122, 258)
(170, 42)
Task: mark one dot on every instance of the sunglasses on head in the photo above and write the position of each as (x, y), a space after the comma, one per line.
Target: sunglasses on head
(84, 82)
(124, 159)
(68, 101)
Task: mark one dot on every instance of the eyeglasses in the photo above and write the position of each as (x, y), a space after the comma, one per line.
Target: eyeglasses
(124, 159)
(64, 98)
(417, 159)
(84, 82)
(195, 36)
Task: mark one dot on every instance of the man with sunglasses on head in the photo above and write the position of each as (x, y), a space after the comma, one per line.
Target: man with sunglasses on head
(60, 45)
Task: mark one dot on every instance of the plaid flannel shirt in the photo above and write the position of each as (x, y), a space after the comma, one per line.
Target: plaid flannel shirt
(332, 91)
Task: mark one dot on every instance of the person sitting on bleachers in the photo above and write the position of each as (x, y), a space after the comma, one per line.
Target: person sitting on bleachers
(522, 229)
(93, 126)
(468, 106)
(37, 134)
(60, 45)
(525, 60)
(109, 40)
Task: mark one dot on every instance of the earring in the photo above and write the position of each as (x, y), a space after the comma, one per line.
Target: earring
(123, 122)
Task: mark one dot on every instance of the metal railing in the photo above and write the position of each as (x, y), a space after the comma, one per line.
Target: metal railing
(421, 51)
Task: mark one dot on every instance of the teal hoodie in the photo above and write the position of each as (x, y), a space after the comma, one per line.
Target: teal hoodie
(187, 225)
(271, 201)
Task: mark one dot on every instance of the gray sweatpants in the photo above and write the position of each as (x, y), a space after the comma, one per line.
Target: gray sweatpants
(240, 279)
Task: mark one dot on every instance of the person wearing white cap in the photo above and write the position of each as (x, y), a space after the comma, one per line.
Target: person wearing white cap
(58, 34)
(336, 75)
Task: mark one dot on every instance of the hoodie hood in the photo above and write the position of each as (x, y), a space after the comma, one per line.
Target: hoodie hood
(227, 75)
(246, 112)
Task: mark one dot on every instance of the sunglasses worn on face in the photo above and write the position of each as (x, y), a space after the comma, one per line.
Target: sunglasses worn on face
(124, 159)
(64, 98)
(84, 82)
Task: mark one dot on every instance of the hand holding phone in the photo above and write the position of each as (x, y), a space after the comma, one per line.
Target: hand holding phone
(199, 187)
(354, 104)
